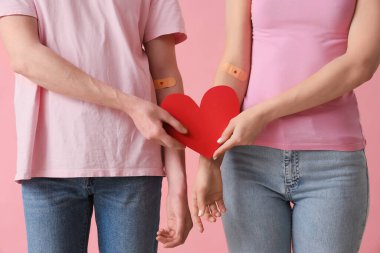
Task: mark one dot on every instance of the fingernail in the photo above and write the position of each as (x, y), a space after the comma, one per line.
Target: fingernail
(200, 213)
(215, 157)
(217, 214)
(184, 130)
(220, 140)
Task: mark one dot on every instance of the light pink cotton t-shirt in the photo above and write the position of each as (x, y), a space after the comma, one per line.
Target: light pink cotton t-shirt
(292, 40)
(62, 137)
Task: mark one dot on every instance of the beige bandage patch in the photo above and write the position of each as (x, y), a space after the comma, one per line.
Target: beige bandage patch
(164, 83)
(234, 71)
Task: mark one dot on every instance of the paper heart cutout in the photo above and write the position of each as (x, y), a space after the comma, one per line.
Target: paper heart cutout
(205, 123)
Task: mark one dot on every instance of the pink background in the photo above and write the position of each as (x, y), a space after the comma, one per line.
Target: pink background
(198, 58)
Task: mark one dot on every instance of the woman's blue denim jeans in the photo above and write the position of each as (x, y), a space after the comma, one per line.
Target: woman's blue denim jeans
(58, 213)
(329, 191)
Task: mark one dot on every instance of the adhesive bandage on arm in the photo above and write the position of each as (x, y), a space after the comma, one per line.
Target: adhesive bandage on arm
(164, 83)
(234, 71)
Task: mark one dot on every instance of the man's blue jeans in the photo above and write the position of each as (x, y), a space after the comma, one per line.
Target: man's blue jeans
(58, 213)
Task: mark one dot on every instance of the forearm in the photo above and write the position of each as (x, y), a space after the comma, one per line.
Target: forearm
(237, 52)
(174, 159)
(167, 72)
(340, 76)
(52, 72)
(175, 171)
(175, 167)
(210, 164)
(223, 78)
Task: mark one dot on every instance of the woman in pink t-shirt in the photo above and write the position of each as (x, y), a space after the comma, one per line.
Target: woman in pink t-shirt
(88, 126)
(295, 173)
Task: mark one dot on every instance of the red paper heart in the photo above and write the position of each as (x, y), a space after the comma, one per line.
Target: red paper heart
(205, 124)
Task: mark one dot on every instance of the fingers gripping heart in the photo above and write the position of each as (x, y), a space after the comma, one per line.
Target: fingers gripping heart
(205, 123)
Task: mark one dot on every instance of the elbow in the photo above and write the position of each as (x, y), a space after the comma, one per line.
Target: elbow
(165, 72)
(364, 68)
(368, 70)
(19, 65)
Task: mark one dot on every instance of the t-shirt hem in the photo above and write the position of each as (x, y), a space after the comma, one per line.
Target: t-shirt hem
(16, 11)
(309, 146)
(130, 172)
(179, 35)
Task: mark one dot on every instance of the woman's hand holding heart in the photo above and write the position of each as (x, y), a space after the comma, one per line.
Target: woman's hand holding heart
(219, 107)
(243, 129)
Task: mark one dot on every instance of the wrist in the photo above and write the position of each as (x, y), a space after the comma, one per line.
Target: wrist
(205, 163)
(267, 111)
(177, 184)
(178, 190)
(126, 103)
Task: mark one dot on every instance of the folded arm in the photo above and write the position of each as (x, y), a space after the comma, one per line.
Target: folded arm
(44, 67)
(340, 76)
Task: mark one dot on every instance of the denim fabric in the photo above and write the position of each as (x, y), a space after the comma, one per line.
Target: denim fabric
(58, 213)
(313, 201)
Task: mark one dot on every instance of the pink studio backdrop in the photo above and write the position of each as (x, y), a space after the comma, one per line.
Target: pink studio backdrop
(198, 59)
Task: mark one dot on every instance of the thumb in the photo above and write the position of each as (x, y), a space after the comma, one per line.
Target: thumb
(196, 219)
(228, 131)
(169, 119)
(201, 205)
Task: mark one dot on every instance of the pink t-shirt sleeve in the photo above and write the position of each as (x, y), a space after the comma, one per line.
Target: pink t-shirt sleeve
(165, 17)
(17, 7)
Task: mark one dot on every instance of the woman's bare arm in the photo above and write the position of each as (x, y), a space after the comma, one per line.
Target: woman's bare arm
(335, 79)
(238, 44)
(341, 75)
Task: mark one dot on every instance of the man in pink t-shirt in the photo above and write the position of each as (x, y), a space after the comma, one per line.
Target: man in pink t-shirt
(88, 126)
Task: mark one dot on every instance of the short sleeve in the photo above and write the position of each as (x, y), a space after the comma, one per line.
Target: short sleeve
(17, 7)
(165, 17)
